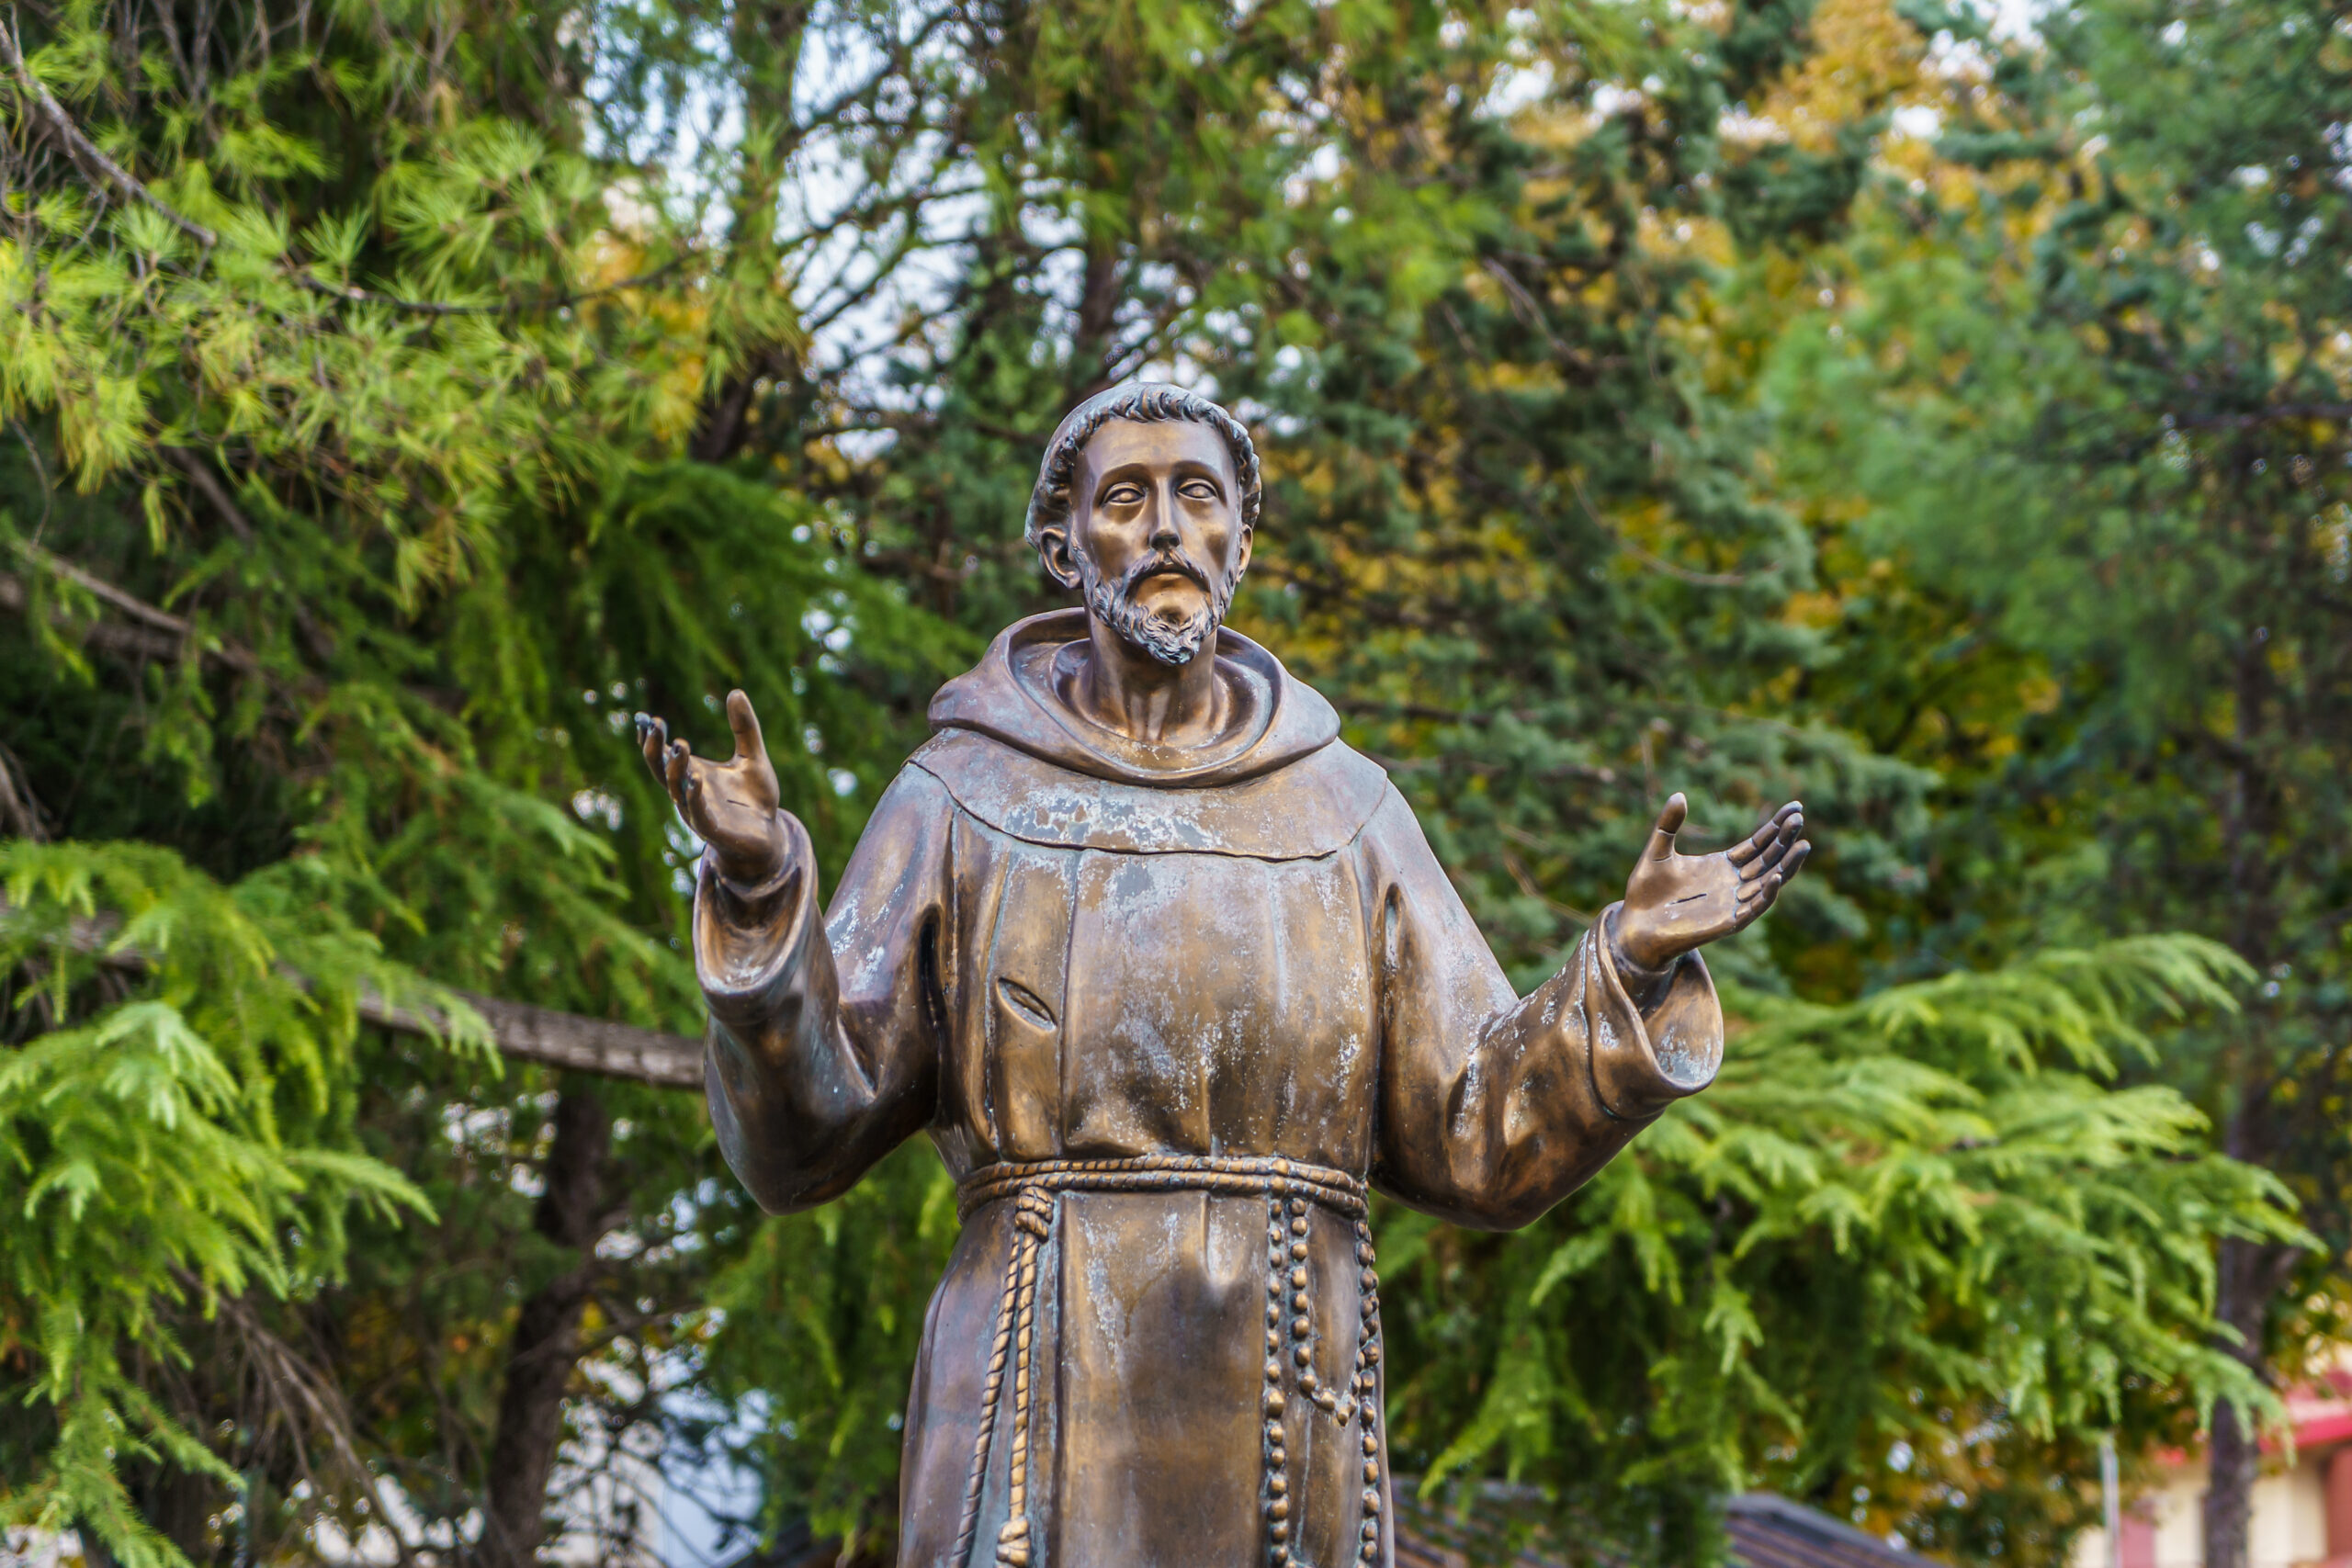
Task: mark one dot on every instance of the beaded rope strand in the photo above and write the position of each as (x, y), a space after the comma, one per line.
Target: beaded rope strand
(1277, 1475)
(1016, 1304)
(1365, 1390)
(1287, 1252)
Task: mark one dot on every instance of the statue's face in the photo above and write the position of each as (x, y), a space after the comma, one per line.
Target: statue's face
(1155, 537)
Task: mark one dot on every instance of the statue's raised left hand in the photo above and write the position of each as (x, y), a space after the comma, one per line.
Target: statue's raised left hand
(1676, 902)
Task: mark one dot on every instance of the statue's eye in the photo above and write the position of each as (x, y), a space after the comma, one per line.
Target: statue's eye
(1197, 489)
(1124, 493)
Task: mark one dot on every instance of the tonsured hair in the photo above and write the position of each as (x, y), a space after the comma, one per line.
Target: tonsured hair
(1145, 402)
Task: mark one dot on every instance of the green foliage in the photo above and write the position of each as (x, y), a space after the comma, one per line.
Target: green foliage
(346, 546)
(1919, 1223)
(2112, 404)
(821, 1318)
(469, 377)
(2072, 414)
(176, 1126)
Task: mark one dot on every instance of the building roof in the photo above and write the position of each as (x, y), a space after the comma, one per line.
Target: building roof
(1769, 1531)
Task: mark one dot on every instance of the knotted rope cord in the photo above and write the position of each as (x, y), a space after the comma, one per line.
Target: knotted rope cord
(999, 1349)
(1034, 1222)
(1291, 1189)
(1335, 1189)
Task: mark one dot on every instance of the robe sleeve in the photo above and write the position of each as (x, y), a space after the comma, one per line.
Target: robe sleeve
(824, 1043)
(1491, 1107)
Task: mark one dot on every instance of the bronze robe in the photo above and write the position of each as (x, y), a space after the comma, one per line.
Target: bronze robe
(1053, 943)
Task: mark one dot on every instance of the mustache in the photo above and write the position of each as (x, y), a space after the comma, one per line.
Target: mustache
(1165, 561)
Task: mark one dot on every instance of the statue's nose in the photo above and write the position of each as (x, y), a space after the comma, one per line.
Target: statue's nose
(1164, 534)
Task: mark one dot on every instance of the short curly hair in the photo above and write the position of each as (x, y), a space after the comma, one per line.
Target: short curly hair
(1145, 402)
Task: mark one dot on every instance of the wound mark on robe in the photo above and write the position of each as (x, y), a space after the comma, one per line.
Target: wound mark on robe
(1024, 1002)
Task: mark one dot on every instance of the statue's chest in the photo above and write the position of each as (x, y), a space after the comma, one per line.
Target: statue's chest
(1121, 1003)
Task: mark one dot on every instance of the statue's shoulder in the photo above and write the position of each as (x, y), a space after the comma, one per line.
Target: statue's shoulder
(1313, 805)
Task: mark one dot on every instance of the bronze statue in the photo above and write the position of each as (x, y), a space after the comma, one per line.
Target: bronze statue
(1173, 979)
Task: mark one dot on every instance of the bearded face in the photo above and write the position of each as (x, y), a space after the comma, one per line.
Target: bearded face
(1155, 540)
(1171, 633)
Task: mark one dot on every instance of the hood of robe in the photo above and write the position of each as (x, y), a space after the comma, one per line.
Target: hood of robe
(1012, 697)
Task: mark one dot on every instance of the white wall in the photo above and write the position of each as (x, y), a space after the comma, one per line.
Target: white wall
(2289, 1525)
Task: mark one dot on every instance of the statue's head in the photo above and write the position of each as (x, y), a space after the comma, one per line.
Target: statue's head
(1146, 505)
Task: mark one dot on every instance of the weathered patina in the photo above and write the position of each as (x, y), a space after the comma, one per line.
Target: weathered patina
(1171, 978)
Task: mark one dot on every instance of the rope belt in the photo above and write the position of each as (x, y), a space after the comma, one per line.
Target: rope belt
(1291, 1189)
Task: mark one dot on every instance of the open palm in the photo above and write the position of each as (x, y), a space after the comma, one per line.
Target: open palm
(1675, 902)
(730, 806)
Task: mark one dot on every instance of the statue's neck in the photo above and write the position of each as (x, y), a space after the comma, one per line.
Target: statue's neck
(1124, 689)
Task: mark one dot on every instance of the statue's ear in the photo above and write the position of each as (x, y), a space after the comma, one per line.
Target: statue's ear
(1054, 550)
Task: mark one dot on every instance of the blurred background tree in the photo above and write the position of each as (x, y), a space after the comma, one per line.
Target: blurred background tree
(1828, 400)
(2105, 334)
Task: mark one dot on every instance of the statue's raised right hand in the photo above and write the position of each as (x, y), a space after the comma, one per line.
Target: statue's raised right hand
(730, 806)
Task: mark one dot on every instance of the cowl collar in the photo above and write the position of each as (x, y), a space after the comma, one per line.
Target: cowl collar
(1010, 696)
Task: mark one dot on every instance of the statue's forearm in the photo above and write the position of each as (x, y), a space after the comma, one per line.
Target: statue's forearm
(1546, 1090)
(819, 1068)
(791, 1103)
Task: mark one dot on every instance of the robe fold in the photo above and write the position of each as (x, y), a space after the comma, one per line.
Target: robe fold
(1054, 942)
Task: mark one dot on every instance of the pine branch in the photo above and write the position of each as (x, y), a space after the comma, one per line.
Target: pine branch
(503, 308)
(158, 635)
(85, 153)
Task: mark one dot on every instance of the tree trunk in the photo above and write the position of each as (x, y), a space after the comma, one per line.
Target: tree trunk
(767, 36)
(2232, 1449)
(1098, 314)
(2250, 1276)
(725, 421)
(547, 1334)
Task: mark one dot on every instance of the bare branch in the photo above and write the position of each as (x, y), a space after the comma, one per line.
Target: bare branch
(2275, 415)
(527, 1033)
(208, 484)
(178, 635)
(18, 807)
(585, 1045)
(138, 609)
(138, 644)
(308, 1400)
(200, 474)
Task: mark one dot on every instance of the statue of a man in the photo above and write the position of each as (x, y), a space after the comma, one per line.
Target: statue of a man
(1171, 978)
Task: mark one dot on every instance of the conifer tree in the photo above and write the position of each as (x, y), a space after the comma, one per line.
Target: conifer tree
(2100, 336)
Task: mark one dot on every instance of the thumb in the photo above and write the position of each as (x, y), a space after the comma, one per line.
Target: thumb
(746, 725)
(1670, 823)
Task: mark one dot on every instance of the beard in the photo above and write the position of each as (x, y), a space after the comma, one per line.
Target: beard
(1171, 639)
